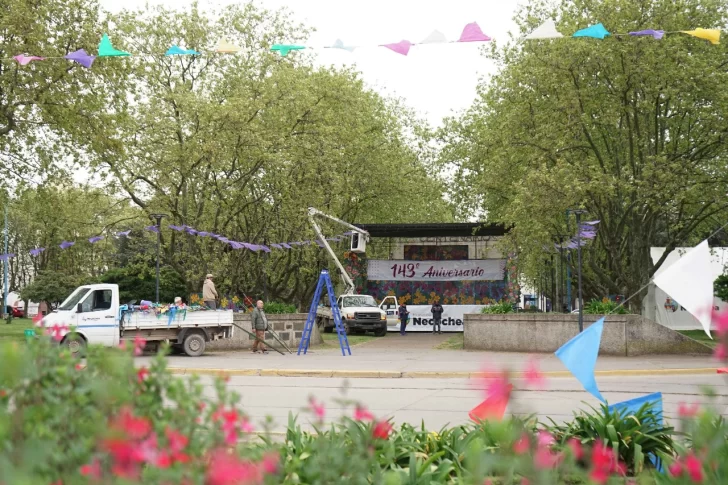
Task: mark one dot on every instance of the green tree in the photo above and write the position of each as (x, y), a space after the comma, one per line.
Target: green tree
(51, 287)
(720, 287)
(240, 145)
(631, 129)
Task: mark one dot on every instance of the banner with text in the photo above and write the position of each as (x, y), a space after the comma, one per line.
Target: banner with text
(452, 318)
(461, 270)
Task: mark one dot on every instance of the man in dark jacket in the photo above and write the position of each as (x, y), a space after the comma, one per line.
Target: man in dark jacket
(436, 317)
(403, 315)
(260, 323)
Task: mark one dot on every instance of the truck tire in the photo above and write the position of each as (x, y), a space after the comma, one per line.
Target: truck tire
(194, 345)
(381, 332)
(76, 344)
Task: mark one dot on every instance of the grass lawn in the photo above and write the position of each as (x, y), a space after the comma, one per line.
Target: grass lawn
(453, 343)
(331, 340)
(700, 336)
(15, 330)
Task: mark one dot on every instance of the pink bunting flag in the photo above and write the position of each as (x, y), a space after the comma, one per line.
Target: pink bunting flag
(472, 33)
(24, 60)
(401, 47)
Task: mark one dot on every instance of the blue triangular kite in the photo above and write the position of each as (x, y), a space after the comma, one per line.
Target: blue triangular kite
(595, 31)
(632, 406)
(579, 355)
(176, 50)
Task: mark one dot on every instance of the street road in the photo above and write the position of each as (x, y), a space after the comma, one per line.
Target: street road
(439, 402)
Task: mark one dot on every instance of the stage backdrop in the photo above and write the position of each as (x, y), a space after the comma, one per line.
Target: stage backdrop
(452, 317)
(462, 270)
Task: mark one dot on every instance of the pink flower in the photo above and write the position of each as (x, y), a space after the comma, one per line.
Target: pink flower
(685, 411)
(381, 430)
(720, 352)
(79, 367)
(362, 414)
(604, 464)
(522, 446)
(227, 469)
(545, 439)
(270, 463)
(57, 331)
(92, 470)
(720, 319)
(576, 448)
(497, 385)
(247, 426)
(131, 426)
(142, 374)
(545, 458)
(694, 468)
(533, 375)
(177, 441)
(675, 468)
(317, 408)
(139, 344)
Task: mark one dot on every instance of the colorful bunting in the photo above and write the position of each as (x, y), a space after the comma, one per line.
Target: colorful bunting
(579, 355)
(284, 49)
(656, 34)
(82, 57)
(123, 233)
(95, 239)
(339, 44)
(152, 228)
(711, 35)
(546, 30)
(492, 408)
(225, 47)
(36, 252)
(107, 50)
(176, 50)
(401, 47)
(66, 244)
(633, 406)
(472, 33)
(176, 228)
(436, 37)
(595, 31)
(5, 257)
(24, 60)
(686, 281)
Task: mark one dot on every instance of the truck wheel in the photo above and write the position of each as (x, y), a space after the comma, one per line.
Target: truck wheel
(75, 344)
(194, 345)
(328, 329)
(381, 332)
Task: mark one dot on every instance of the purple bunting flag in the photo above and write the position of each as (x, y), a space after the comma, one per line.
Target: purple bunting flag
(95, 239)
(36, 252)
(277, 246)
(176, 228)
(82, 57)
(203, 234)
(656, 34)
(591, 223)
(472, 33)
(123, 233)
(320, 244)
(287, 246)
(152, 228)
(5, 257)
(191, 231)
(66, 244)
(252, 247)
(236, 245)
(264, 248)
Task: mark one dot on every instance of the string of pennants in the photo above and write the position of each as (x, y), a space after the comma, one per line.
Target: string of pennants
(471, 33)
(194, 232)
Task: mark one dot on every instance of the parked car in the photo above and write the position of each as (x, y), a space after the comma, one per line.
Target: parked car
(16, 311)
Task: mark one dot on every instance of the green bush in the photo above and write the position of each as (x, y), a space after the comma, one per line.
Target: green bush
(498, 308)
(604, 307)
(275, 307)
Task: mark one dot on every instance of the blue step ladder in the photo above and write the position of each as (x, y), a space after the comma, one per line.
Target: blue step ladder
(324, 279)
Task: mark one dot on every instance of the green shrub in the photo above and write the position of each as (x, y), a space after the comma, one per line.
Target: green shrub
(498, 308)
(275, 307)
(604, 307)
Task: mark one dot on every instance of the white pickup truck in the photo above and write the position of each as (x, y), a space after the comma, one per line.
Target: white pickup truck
(95, 314)
(359, 314)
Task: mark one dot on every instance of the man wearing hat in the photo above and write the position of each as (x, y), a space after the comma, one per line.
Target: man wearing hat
(209, 294)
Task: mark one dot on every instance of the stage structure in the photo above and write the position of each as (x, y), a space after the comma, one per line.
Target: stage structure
(459, 265)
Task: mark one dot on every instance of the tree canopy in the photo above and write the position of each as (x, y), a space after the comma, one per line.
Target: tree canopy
(631, 129)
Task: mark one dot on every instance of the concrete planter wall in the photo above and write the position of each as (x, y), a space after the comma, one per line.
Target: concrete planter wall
(626, 335)
(289, 328)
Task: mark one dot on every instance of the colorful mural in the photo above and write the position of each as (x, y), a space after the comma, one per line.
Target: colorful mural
(435, 253)
(446, 292)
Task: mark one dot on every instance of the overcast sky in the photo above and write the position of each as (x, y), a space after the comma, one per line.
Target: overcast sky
(436, 80)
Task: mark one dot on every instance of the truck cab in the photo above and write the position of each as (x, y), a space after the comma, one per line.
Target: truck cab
(359, 314)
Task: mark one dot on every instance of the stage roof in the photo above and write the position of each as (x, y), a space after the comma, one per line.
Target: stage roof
(465, 229)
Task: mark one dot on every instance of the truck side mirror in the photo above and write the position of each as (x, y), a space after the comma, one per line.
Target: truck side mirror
(79, 308)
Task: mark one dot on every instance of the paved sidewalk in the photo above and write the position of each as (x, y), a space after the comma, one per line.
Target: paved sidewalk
(418, 362)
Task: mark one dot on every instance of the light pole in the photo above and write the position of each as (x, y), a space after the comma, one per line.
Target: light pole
(578, 213)
(158, 218)
(5, 267)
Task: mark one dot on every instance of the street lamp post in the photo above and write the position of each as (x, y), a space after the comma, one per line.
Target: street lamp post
(578, 213)
(158, 218)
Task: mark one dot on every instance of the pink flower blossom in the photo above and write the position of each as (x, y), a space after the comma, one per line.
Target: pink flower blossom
(362, 414)
(177, 441)
(688, 411)
(694, 468)
(247, 426)
(720, 319)
(675, 468)
(381, 430)
(317, 408)
(92, 470)
(522, 445)
(227, 469)
(721, 352)
(545, 438)
(576, 449)
(533, 375)
(142, 374)
(139, 344)
(604, 464)
(270, 463)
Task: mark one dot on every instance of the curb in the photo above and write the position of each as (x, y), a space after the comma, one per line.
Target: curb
(374, 374)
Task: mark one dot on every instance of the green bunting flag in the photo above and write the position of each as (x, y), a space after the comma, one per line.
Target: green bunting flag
(107, 50)
(284, 49)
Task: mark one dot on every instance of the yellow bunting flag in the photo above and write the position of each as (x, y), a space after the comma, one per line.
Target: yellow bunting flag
(225, 47)
(712, 35)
